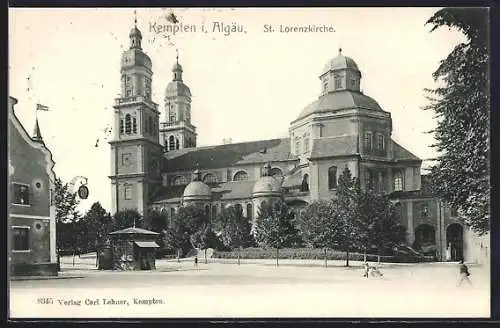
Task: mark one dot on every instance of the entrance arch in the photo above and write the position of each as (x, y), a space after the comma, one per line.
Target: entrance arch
(455, 241)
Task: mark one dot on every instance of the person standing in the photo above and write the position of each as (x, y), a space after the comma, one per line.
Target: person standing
(196, 261)
(464, 274)
(367, 270)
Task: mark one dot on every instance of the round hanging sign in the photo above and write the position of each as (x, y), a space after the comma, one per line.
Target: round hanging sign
(83, 192)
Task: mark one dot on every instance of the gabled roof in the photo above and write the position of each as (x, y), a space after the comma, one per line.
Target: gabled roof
(221, 156)
(401, 154)
(336, 146)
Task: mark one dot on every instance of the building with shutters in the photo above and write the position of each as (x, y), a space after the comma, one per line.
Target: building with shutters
(31, 219)
(156, 164)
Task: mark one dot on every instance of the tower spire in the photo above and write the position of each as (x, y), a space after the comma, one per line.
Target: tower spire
(177, 55)
(37, 135)
(135, 35)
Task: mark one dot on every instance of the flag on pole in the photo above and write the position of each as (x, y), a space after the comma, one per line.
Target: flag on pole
(42, 107)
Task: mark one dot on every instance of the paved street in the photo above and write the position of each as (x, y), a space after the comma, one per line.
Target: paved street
(254, 290)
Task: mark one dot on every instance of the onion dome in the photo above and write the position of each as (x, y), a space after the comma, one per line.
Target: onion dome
(177, 87)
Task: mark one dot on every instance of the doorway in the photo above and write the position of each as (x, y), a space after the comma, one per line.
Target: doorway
(455, 241)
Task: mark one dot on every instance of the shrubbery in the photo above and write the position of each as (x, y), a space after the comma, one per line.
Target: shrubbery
(314, 254)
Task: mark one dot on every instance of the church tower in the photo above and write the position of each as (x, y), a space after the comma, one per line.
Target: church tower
(177, 132)
(135, 149)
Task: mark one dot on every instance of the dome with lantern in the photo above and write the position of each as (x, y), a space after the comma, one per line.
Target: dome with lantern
(340, 62)
(267, 185)
(196, 190)
(341, 80)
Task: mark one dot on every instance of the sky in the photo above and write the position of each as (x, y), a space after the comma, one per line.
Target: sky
(246, 85)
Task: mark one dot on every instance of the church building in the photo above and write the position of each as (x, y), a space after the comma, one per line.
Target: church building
(158, 165)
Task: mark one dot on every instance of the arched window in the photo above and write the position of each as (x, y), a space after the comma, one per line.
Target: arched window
(380, 182)
(276, 172)
(214, 212)
(128, 124)
(176, 143)
(305, 183)
(207, 211)
(332, 177)
(424, 210)
(134, 125)
(209, 178)
(306, 143)
(338, 81)
(368, 141)
(249, 211)
(171, 143)
(127, 191)
(150, 122)
(121, 126)
(179, 181)
(380, 142)
(172, 212)
(145, 124)
(297, 145)
(368, 179)
(147, 89)
(240, 175)
(239, 209)
(398, 181)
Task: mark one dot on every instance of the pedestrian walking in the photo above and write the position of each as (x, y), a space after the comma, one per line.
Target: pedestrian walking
(196, 261)
(367, 270)
(464, 274)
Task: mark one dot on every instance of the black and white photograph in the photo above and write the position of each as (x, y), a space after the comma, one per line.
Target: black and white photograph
(248, 163)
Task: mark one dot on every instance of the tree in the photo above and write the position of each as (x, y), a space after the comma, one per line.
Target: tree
(234, 229)
(319, 226)
(127, 219)
(378, 223)
(158, 222)
(94, 229)
(65, 202)
(462, 106)
(275, 226)
(203, 238)
(345, 206)
(184, 223)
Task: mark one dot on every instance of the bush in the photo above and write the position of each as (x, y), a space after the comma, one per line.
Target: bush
(313, 254)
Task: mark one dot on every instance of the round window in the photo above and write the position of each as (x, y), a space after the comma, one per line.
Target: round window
(38, 226)
(38, 185)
